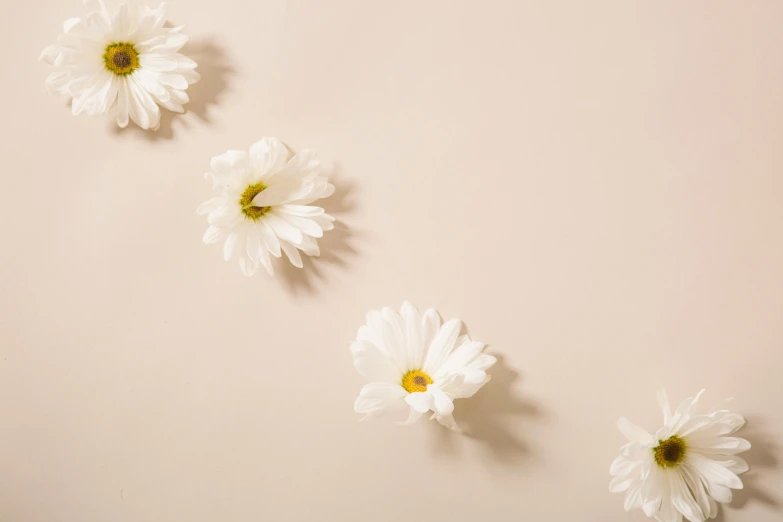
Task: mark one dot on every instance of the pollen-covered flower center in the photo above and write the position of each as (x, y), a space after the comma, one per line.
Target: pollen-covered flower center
(246, 202)
(121, 58)
(669, 452)
(416, 381)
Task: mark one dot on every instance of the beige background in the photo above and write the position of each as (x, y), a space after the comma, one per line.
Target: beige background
(594, 187)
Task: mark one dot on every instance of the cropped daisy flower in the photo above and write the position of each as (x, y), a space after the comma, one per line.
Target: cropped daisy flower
(120, 59)
(415, 363)
(685, 468)
(265, 205)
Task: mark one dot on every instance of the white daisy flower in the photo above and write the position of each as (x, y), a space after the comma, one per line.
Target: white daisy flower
(686, 468)
(265, 205)
(120, 59)
(413, 362)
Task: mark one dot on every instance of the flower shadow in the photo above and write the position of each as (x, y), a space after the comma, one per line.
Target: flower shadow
(337, 246)
(489, 417)
(215, 69)
(763, 454)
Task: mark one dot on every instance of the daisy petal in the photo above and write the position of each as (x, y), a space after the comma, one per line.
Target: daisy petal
(420, 401)
(442, 404)
(448, 421)
(264, 259)
(211, 205)
(283, 229)
(461, 357)
(683, 500)
(620, 484)
(268, 155)
(429, 327)
(248, 266)
(380, 397)
(714, 472)
(307, 226)
(292, 253)
(302, 210)
(736, 465)
(212, 235)
(270, 239)
(696, 486)
(663, 400)
(632, 432)
(442, 345)
(413, 335)
(230, 245)
(373, 365)
(123, 103)
(413, 416)
(633, 498)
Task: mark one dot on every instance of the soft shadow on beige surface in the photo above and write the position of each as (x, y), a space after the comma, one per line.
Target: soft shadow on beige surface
(214, 66)
(338, 247)
(487, 418)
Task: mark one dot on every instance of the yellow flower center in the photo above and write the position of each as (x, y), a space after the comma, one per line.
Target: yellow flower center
(416, 381)
(669, 452)
(121, 58)
(246, 202)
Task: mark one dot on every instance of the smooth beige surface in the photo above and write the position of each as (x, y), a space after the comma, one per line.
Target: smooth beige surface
(593, 187)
